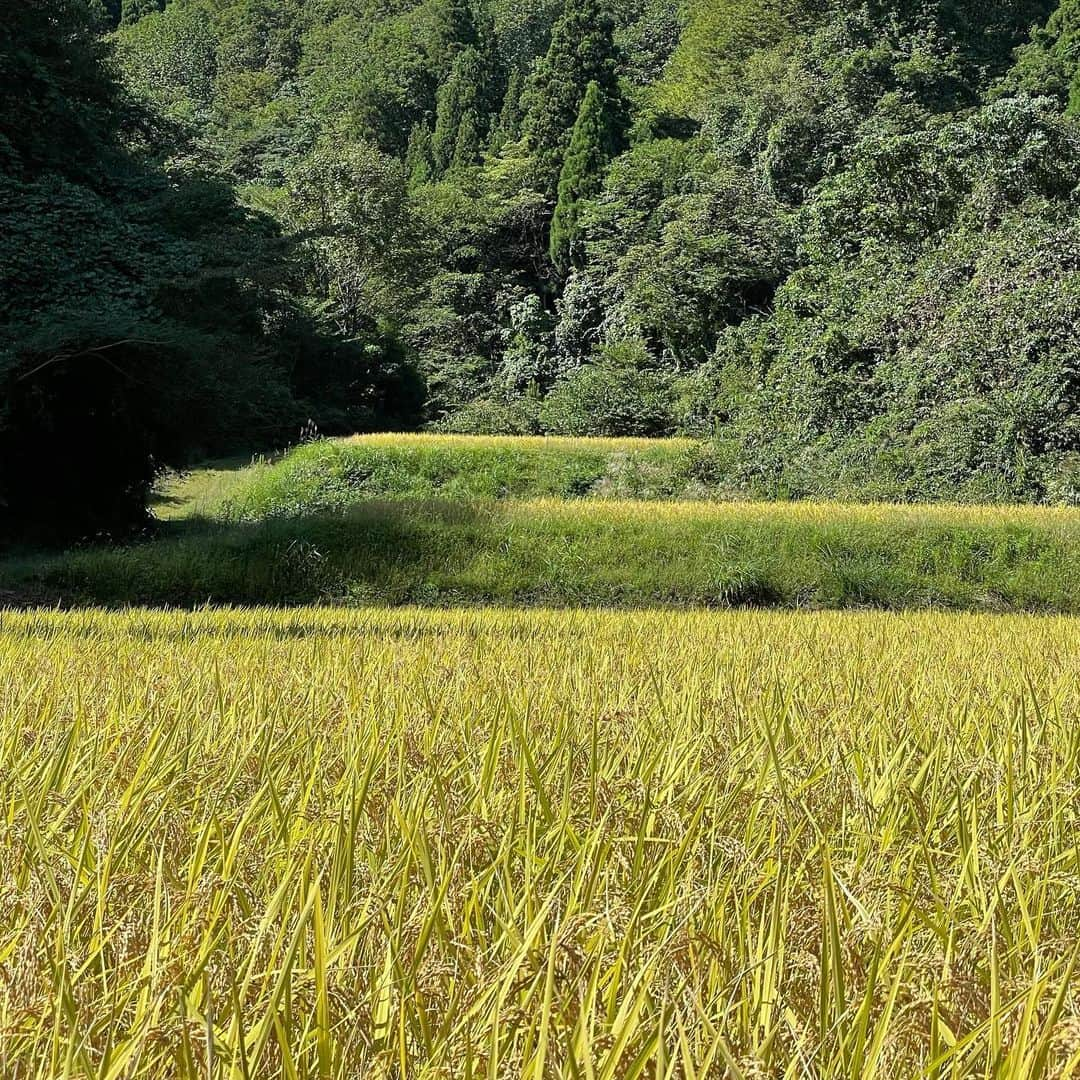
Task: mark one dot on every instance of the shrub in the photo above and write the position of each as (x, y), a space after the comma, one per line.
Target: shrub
(490, 416)
(612, 400)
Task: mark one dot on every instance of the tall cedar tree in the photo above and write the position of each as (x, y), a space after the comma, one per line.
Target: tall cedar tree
(508, 125)
(582, 51)
(469, 142)
(593, 144)
(454, 29)
(419, 164)
(461, 101)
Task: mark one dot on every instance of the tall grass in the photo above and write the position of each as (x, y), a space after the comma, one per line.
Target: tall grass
(489, 844)
(564, 552)
(335, 475)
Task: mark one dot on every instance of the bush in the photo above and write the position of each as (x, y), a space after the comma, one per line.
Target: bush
(1062, 479)
(489, 416)
(611, 400)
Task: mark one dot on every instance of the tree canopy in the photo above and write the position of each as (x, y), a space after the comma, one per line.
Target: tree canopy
(835, 237)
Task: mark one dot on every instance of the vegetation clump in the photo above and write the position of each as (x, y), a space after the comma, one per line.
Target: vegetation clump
(336, 475)
(405, 548)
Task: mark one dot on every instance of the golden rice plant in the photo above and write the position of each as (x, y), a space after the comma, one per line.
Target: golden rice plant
(516, 443)
(485, 844)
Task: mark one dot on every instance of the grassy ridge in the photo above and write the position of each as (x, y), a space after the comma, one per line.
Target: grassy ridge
(336, 474)
(443, 844)
(593, 553)
(441, 520)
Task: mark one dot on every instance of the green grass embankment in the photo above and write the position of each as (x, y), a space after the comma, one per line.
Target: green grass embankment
(334, 475)
(558, 552)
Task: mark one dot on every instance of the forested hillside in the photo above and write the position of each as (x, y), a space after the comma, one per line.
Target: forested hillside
(841, 239)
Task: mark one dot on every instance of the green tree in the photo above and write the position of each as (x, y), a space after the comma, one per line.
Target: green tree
(462, 100)
(615, 396)
(170, 59)
(592, 145)
(926, 347)
(469, 142)
(452, 29)
(366, 254)
(1050, 63)
(582, 51)
(507, 127)
(419, 159)
(131, 11)
(143, 314)
(719, 40)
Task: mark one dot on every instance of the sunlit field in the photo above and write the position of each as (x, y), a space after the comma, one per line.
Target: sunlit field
(444, 521)
(536, 844)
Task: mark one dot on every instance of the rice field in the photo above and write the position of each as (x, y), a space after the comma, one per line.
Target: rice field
(446, 521)
(576, 553)
(478, 844)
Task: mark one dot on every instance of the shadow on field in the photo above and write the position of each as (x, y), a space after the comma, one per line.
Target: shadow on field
(440, 553)
(377, 552)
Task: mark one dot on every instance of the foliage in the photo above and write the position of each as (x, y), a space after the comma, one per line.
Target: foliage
(813, 226)
(928, 347)
(365, 254)
(459, 134)
(677, 250)
(719, 41)
(517, 415)
(612, 397)
(1049, 65)
(133, 307)
(593, 143)
(582, 51)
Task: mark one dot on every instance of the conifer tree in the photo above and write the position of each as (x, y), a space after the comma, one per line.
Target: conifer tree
(592, 145)
(507, 127)
(453, 30)
(469, 142)
(462, 97)
(582, 51)
(419, 163)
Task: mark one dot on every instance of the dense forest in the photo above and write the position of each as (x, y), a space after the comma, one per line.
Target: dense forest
(840, 239)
